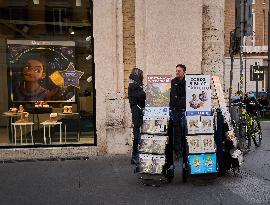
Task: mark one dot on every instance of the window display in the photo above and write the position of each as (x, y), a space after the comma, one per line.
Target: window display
(47, 73)
(42, 70)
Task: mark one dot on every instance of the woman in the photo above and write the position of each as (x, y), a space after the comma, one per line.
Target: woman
(136, 96)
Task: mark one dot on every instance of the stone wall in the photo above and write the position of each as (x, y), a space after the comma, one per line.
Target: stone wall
(129, 51)
(168, 33)
(213, 38)
(229, 23)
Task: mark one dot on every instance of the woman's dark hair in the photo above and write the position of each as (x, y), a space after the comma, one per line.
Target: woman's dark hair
(181, 66)
(137, 72)
(34, 56)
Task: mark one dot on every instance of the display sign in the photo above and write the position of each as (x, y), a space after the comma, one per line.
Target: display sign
(42, 71)
(151, 164)
(158, 95)
(203, 163)
(158, 90)
(200, 124)
(256, 73)
(153, 144)
(198, 95)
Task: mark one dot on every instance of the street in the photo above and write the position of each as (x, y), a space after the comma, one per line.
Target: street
(110, 180)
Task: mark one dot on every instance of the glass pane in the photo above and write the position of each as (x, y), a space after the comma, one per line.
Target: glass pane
(47, 73)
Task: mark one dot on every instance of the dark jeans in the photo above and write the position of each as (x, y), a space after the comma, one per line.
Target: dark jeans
(179, 131)
(137, 120)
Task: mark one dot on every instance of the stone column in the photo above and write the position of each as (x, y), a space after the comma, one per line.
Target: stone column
(213, 38)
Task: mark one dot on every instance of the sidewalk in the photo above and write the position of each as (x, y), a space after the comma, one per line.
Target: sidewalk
(98, 180)
(110, 180)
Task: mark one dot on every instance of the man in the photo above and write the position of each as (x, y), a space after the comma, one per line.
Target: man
(178, 108)
(136, 96)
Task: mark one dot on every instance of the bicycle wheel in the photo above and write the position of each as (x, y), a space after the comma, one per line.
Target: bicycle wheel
(244, 141)
(257, 133)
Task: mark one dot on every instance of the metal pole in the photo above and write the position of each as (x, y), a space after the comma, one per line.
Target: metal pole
(245, 73)
(242, 6)
(244, 34)
(232, 42)
(268, 60)
(257, 89)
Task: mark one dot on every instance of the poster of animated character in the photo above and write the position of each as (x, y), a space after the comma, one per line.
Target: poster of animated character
(198, 95)
(42, 71)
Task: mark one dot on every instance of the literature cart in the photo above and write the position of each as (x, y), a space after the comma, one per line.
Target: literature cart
(200, 151)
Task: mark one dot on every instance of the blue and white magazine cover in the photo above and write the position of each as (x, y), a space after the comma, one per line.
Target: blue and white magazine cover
(198, 95)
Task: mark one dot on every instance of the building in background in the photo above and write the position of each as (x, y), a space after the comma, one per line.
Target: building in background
(110, 37)
(255, 48)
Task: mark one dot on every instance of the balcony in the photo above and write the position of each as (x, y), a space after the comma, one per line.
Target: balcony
(255, 49)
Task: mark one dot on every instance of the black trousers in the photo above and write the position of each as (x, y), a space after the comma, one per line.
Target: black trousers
(179, 131)
(137, 120)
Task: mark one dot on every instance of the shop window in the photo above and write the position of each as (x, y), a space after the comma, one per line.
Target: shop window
(48, 68)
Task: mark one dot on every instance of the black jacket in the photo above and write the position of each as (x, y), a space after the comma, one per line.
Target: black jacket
(136, 94)
(178, 94)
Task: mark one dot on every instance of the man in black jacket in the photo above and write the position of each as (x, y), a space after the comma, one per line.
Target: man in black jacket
(136, 96)
(178, 108)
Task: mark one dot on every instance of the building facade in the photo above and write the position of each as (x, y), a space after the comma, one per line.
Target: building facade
(255, 48)
(154, 35)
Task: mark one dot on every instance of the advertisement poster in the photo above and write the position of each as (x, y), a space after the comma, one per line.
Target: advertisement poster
(158, 95)
(42, 71)
(198, 95)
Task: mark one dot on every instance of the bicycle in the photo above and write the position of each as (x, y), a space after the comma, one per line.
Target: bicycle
(248, 128)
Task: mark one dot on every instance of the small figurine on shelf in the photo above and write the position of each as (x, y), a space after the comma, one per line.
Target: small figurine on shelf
(37, 103)
(21, 109)
(45, 104)
(11, 111)
(41, 104)
(53, 117)
(23, 118)
(67, 110)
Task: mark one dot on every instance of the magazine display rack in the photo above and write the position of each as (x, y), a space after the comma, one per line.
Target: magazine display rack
(154, 165)
(200, 153)
(153, 156)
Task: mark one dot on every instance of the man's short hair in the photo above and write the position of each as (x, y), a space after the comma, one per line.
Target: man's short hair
(182, 66)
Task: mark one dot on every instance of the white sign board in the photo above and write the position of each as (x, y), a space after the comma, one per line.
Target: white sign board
(198, 95)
